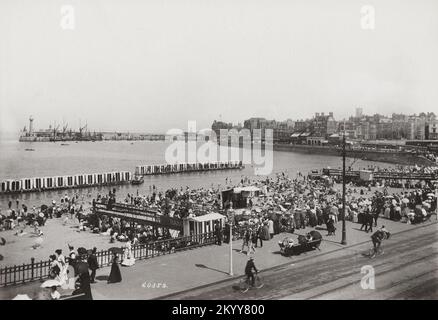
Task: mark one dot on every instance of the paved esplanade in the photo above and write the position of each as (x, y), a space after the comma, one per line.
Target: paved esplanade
(315, 274)
(406, 270)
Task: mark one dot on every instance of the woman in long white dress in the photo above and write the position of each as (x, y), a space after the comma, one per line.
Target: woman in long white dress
(128, 256)
(63, 277)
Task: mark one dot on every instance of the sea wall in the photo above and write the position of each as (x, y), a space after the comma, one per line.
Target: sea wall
(395, 157)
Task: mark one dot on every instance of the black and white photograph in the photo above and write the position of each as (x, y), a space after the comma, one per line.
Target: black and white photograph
(226, 151)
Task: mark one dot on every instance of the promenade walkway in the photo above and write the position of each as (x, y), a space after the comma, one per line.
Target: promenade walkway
(150, 279)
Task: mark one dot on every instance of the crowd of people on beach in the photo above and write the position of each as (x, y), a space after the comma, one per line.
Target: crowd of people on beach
(19, 217)
(284, 204)
(291, 204)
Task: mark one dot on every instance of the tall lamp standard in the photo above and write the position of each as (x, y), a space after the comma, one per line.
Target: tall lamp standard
(231, 218)
(436, 191)
(344, 232)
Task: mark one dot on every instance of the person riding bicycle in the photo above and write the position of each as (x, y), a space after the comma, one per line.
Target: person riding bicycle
(378, 237)
(248, 270)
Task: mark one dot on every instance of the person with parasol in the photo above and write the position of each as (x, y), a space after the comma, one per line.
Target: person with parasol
(54, 293)
(53, 284)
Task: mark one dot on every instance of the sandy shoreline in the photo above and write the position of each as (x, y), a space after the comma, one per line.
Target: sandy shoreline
(18, 249)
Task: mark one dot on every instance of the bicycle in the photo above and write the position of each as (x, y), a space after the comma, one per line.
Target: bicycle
(375, 252)
(245, 285)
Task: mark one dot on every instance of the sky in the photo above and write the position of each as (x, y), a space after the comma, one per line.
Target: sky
(149, 66)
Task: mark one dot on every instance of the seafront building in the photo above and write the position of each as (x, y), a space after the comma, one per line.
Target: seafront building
(323, 129)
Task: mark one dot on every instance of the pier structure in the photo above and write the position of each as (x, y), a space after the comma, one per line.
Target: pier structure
(150, 217)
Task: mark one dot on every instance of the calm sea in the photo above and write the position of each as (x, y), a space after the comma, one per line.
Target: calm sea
(52, 159)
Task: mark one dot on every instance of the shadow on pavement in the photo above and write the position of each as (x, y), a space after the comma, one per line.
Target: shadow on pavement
(205, 267)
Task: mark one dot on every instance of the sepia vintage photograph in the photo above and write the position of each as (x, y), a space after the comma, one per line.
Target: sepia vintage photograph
(218, 150)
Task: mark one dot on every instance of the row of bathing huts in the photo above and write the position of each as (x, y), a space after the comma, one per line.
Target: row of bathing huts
(108, 178)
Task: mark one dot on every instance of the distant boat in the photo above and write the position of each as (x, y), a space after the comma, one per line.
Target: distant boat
(64, 144)
(137, 180)
(29, 149)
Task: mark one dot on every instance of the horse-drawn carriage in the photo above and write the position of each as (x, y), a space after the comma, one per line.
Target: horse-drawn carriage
(310, 241)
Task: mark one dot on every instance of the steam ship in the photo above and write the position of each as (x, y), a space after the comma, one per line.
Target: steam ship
(54, 134)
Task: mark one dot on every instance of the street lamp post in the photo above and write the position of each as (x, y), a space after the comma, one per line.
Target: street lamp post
(344, 232)
(436, 200)
(436, 192)
(230, 222)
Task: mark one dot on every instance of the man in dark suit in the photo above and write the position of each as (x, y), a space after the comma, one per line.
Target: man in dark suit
(93, 265)
(370, 218)
(227, 233)
(260, 235)
(303, 219)
(218, 233)
(83, 278)
(364, 220)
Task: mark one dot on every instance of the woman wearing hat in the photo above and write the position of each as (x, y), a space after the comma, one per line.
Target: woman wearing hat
(55, 267)
(128, 256)
(115, 275)
(62, 264)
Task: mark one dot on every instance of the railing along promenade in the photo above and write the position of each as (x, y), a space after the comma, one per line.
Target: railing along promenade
(40, 270)
(387, 175)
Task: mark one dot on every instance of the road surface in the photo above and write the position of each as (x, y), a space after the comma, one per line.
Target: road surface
(408, 269)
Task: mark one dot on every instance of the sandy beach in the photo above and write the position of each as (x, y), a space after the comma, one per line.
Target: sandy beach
(18, 249)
